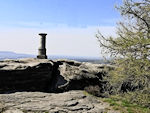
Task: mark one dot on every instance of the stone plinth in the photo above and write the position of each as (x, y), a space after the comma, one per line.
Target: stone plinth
(42, 48)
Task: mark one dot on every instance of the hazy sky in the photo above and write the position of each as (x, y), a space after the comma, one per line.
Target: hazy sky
(71, 25)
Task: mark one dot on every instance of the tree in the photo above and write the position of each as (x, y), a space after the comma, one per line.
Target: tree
(131, 47)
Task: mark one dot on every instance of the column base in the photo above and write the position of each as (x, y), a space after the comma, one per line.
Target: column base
(42, 57)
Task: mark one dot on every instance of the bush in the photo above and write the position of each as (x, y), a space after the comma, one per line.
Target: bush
(131, 51)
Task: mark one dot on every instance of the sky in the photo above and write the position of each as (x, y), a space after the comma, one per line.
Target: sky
(71, 25)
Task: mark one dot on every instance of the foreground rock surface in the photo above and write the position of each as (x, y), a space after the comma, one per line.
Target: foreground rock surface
(42, 77)
(37, 102)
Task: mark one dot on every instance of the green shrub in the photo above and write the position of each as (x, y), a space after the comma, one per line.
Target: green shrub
(131, 51)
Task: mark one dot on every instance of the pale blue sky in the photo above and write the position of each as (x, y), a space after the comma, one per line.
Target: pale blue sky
(22, 20)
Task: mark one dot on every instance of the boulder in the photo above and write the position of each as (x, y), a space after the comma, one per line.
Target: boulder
(73, 75)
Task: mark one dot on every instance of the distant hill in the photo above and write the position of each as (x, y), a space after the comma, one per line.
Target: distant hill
(13, 55)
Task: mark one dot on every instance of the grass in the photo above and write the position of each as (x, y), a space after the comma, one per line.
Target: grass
(119, 103)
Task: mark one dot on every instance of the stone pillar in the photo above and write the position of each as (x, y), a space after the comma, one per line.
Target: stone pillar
(42, 49)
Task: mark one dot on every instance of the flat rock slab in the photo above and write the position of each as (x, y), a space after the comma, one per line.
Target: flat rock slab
(38, 102)
(22, 64)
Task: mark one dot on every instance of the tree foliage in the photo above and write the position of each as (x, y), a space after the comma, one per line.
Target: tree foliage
(131, 46)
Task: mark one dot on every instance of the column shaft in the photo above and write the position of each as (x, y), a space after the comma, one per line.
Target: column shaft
(42, 48)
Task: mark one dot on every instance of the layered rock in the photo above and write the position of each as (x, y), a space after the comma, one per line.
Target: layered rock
(41, 76)
(50, 76)
(73, 75)
(25, 75)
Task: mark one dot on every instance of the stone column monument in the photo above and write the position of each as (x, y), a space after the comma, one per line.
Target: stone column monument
(42, 49)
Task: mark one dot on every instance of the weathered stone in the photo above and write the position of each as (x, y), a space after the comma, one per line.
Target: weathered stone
(73, 75)
(13, 111)
(68, 102)
(49, 76)
(25, 75)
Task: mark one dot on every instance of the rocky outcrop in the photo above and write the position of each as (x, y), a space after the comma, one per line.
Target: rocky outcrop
(37, 102)
(50, 76)
(73, 75)
(25, 75)
(45, 79)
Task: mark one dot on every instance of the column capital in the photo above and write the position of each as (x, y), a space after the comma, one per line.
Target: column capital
(42, 34)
